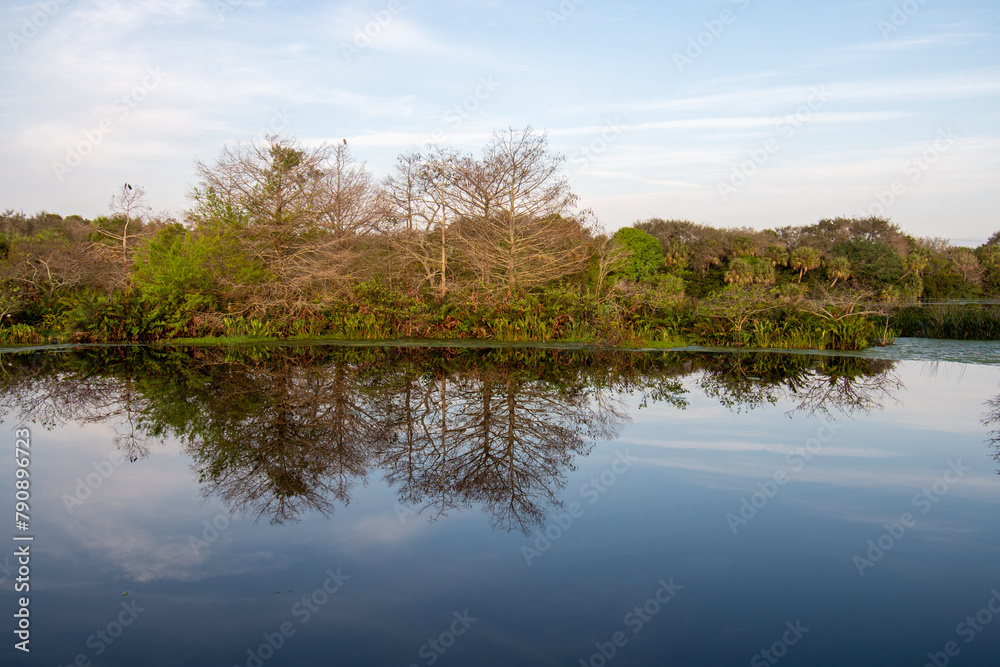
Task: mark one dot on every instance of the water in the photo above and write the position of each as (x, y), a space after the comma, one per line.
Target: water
(319, 505)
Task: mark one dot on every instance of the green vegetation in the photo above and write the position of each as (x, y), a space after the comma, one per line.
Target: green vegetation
(643, 254)
(284, 241)
(952, 321)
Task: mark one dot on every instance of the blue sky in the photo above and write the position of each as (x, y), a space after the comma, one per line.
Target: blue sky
(732, 113)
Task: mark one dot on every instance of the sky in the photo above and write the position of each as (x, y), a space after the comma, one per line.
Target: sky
(734, 113)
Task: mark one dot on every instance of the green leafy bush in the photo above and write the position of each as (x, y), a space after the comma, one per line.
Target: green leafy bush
(645, 254)
(20, 334)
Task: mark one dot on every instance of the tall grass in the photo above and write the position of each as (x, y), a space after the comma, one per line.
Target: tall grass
(956, 321)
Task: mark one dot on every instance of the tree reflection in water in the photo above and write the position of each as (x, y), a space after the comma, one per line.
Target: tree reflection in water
(991, 418)
(278, 431)
(813, 384)
(493, 435)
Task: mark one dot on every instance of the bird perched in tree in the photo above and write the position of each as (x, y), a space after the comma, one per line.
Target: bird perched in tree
(345, 142)
(127, 187)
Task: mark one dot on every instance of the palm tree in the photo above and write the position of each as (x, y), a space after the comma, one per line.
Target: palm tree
(805, 259)
(740, 272)
(777, 255)
(838, 268)
(743, 245)
(915, 262)
(763, 272)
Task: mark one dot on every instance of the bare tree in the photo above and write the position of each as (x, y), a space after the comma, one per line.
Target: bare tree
(609, 254)
(492, 437)
(351, 203)
(419, 197)
(130, 206)
(294, 214)
(517, 214)
(965, 264)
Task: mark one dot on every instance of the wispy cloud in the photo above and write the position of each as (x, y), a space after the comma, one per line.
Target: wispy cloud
(98, 17)
(394, 33)
(916, 43)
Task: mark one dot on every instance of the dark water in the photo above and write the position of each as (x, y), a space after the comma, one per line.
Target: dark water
(367, 506)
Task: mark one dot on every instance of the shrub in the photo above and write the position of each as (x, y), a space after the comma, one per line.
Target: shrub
(646, 254)
(20, 334)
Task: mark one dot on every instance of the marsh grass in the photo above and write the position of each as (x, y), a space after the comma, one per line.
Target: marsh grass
(950, 321)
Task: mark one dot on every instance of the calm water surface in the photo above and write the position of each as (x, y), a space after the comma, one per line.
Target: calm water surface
(379, 506)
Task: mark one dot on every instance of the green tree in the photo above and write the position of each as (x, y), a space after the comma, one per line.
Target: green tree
(827, 234)
(182, 268)
(749, 271)
(873, 264)
(740, 272)
(916, 262)
(705, 246)
(763, 271)
(804, 259)
(838, 268)
(989, 262)
(777, 254)
(675, 255)
(10, 300)
(645, 255)
(743, 245)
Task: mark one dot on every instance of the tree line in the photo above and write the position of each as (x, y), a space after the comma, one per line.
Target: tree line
(287, 239)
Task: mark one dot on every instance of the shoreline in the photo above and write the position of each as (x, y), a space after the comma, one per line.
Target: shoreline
(903, 349)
